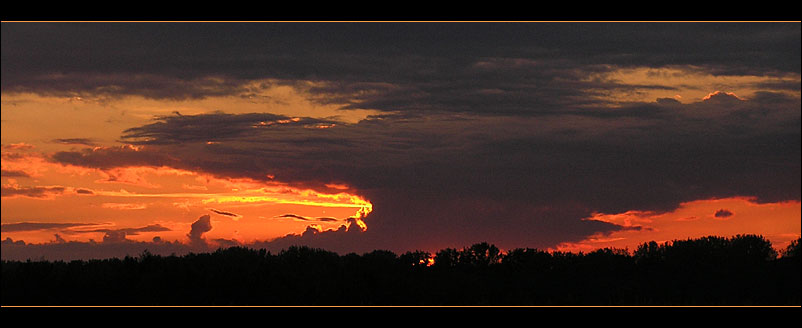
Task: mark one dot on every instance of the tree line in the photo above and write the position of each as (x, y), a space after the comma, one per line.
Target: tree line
(741, 270)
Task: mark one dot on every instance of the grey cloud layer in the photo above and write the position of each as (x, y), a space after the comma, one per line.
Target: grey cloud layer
(504, 68)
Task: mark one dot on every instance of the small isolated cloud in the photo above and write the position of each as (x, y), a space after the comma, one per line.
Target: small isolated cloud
(76, 141)
(293, 216)
(303, 218)
(201, 226)
(233, 215)
(723, 214)
(84, 192)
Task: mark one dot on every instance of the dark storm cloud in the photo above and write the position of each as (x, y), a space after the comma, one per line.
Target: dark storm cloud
(484, 68)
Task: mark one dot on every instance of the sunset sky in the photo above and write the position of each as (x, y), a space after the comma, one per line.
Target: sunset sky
(176, 137)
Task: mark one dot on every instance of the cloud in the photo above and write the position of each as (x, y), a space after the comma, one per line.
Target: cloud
(44, 192)
(213, 127)
(199, 227)
(73, 250)
(127, 231)
(508, 68)
(14, 174)
(722, 97)
(486, 131)
(225, 213)
(114, 237)
(527, 180)
(723, 214)
(58, 240)
(11, 242)
(111, 157)
(76, 141)
(109, 235)
(32, 192)
(37, 226)
(303, 218)
(225, 243)
(18, 146)
(293, 216)
(150, 228)
(124, 206)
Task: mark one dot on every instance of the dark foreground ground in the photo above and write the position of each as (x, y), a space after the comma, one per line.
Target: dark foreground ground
(742, 270)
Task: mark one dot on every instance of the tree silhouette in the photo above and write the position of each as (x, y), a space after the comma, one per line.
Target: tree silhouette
(479, 255)
(446, 258)
(792, 250)
(741, 270)
(415, 258)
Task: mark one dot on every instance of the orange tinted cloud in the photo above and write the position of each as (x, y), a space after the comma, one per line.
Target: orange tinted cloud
(720, 93)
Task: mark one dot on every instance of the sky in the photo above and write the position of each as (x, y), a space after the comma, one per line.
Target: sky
(178, 137)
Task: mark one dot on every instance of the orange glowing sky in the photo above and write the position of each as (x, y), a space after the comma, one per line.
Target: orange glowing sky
(777, 222)
(133, 197)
